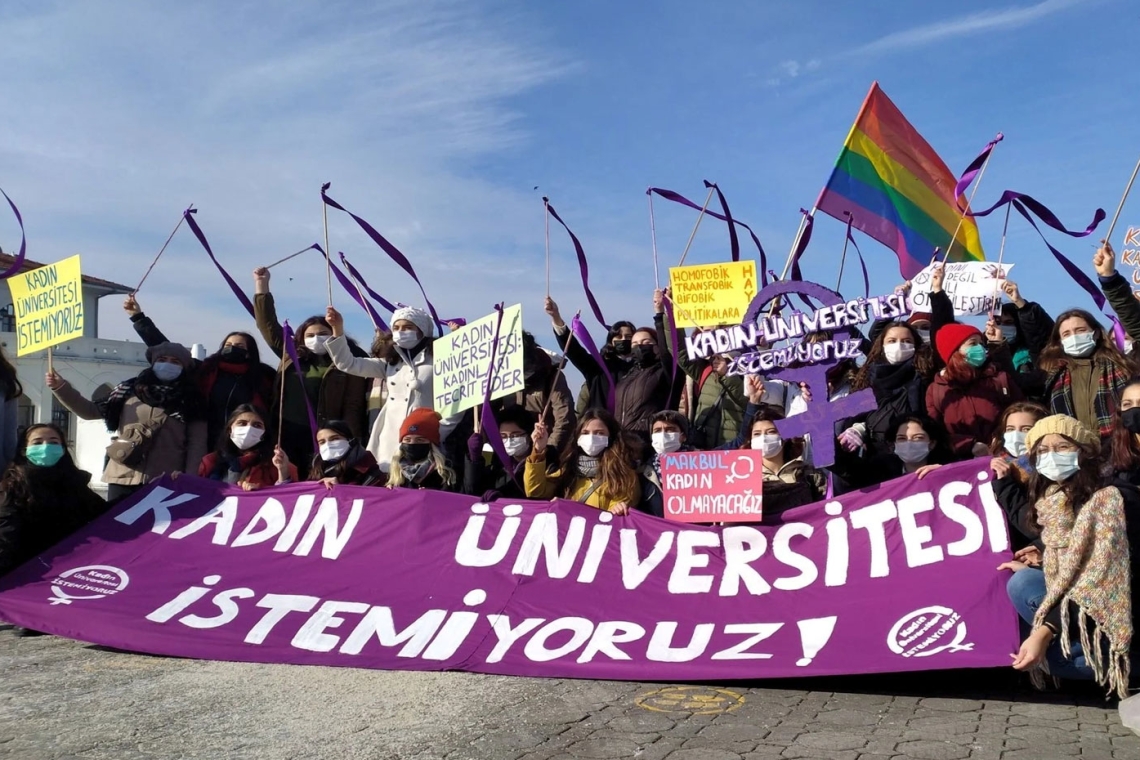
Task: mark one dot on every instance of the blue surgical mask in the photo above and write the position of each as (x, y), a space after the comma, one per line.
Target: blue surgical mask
(1058, 466)
(1015, 442)
(167, 372)
(912, 452)
(975, 355)
(1009, 333)
(1079, 345)
(44, 454)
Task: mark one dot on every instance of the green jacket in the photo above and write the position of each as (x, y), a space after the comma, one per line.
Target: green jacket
(717, 411)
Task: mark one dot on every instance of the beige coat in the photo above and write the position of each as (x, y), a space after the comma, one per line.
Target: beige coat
(177, 446)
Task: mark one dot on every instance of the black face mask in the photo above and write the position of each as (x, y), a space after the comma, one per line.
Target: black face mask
(1130, 419)
(235, 354)
(645, 354)
(415, 452)
(623, 347)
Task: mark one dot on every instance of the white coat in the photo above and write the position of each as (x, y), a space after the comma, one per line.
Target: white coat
(409, 386)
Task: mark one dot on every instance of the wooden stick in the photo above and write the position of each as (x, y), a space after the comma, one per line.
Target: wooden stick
(1001, 256)
(791, 253)
(51, 366)
(843, 258)
(1120, 206)
(281, 401)
(697, 226)
(161, 250)
(558, 370)
(653, 237)
(478, 426)
(546, 209)
(290, 256)
(328, 253)
(969, 205)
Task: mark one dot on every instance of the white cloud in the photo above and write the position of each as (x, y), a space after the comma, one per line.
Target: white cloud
(125, 112)
(998, 19)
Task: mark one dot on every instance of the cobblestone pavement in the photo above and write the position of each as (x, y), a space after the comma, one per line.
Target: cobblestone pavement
(63, 699)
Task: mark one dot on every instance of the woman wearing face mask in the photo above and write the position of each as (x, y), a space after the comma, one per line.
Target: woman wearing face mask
(407, 372)
(1079, 608)
(596, 471)
(644, 381)
(1086, 371)
(158, 418)
(918, 446)
(44, 497)
(669, 433)
(1118, 290)
(419, 462)
(227, 379)
(971, 392)
(246, 454)
(491, 481)
(330, 392)
(546, 393)
(897, 370)
(341, 460)
(1026, 327)
(1012, 467)
(788, 481)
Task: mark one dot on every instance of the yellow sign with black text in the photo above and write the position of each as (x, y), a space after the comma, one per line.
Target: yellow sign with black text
(49, 305)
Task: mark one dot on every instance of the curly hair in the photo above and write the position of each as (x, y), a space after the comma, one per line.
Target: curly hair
(14, 483)
(922, 363)
(1124, 454)
(1077, 490)
(1053, 355)
(618, 478)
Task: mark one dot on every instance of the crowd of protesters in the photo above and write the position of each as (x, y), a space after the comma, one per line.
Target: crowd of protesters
(1052, 402)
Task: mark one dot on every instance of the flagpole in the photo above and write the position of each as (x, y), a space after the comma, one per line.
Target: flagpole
(546, 215)
(1120, 206)
(969, 204)
(653, 237)
(1001, 257)
(697, 226)
(843, 257)
(328, 255)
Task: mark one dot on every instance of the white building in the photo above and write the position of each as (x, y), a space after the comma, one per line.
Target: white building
(91, 364)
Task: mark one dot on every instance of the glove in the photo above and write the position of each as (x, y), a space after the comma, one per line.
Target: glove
(851, 439)
(475, 447)
(490, 496)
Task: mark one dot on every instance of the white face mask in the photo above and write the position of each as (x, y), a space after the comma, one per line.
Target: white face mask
(924, 334)
(516, 447)
(592, 445)
(1015, 442)
(768, 444)
(334, 450)
(167, 372)
(666, 443)
(1058, 466)
(1079, 345)
(1009, 333)
(246, 436)
(406, 338)
(897, 353)
(912, 452)
(316, 344)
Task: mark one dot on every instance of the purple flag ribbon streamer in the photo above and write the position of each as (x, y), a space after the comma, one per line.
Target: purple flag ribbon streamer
(862, 262)
(972, 170)
(583, 265)
(291, 349)
(733, 238)
(392, 251)
(353, 293)
(669, 195)
(582, 335)
(18, 263)
(384, 302)
(490, 424)
(241, 296)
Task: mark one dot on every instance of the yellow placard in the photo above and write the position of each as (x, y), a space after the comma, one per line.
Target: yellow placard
(709, 295)
(49, 305)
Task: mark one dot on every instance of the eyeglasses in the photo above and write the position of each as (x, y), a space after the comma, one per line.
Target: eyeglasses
(512, 436)
(1060, 448)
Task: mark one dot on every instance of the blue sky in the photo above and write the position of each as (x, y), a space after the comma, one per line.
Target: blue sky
(436, 119)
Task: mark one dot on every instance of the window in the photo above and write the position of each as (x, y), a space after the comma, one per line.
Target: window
(8, 319)
(61, 418)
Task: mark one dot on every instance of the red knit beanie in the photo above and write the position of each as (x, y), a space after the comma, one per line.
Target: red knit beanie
(951, 337)
(422, 422)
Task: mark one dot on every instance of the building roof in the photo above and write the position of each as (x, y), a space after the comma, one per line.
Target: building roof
(6, 260)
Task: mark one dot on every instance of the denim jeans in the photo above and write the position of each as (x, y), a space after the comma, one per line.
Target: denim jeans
(1026, 590)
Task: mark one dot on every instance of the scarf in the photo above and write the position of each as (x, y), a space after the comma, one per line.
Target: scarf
(1110, 385)
(172, 399)
(227, 467)
(588, 467)
(417, 472)
(1087, 564)
(886, 379)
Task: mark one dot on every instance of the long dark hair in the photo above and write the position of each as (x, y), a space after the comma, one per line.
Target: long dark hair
(922, 364)
(1124, 454)
(264, 447)
(317, 466)
(997, 444)
(12, 387)
(619, 479)
(15, 483)
(253, 353)
(1077, 490)
(303, 352)
(793, 447)
(608, 349)
(940, 450)
(1053, 355)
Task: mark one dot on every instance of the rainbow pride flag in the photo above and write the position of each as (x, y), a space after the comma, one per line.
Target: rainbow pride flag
(897, 190)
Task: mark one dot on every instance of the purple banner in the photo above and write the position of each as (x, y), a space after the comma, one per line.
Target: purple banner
(902, 577)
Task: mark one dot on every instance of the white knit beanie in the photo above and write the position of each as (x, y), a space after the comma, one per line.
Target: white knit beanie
(417, 317)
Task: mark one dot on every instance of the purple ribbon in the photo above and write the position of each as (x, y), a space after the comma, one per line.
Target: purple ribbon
(490, 424)
(582, 335)
(392, 251)
(291, 349)
(384, 303)
(972, 170)
(862, 263)
(188, 214)
(669, 195)
(18, 264)
(583, 266)
(733, 239)
(353, 293)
